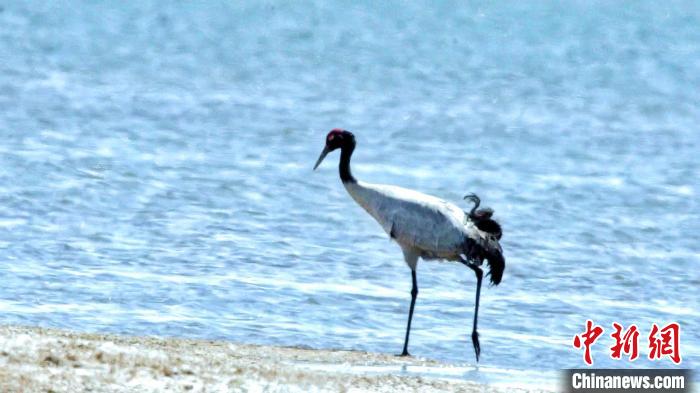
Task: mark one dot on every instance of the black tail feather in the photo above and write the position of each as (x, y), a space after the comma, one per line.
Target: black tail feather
(482, 217)
(497, 264)
(491, 251)
(485, 248)
(490, 225)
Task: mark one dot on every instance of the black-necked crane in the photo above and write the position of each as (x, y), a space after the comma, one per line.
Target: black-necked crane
(424, 226)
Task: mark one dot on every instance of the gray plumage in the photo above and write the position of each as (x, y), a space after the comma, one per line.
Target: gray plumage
(421, 224)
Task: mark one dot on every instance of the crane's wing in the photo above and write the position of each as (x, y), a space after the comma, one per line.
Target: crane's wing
(413, 219)
(437, 228)
(431, 227)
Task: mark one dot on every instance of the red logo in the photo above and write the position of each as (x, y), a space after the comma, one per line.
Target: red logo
(663, 342)
(668, 344)
(589, 336)
(627, 343)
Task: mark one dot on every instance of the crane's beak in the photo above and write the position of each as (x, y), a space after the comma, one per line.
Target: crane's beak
(322, 156)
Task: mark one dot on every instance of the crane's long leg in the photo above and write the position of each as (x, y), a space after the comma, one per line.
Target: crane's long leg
(414, 295)
(479, 276)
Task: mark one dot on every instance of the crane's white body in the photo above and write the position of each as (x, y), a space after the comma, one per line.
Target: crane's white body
(423, 225)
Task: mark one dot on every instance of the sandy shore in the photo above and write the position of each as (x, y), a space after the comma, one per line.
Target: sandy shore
(48, 360)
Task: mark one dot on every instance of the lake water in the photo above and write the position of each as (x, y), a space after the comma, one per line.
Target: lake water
(155, 171)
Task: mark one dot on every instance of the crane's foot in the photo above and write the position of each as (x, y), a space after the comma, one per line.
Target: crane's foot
(404, 353)
(477, 347)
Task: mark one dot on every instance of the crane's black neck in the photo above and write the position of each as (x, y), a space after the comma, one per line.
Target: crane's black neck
(344, 167)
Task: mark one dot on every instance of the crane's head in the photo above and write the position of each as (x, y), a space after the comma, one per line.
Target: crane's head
(337, 138)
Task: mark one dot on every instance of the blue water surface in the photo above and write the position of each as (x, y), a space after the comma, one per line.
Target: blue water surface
(155, 171)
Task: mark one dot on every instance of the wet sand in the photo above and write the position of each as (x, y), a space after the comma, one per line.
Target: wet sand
(48, 360)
